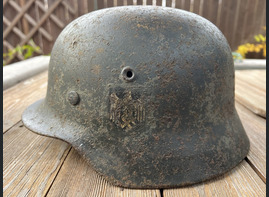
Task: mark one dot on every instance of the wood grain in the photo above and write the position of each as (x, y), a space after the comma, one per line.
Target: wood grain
(250, 90)
(240, 181)
(31, 162)
(159, 2)
(255, 128)
(76, 178)
(196, 7)
(20, 96)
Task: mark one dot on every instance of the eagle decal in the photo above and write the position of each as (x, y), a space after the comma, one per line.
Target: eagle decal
(126, 112)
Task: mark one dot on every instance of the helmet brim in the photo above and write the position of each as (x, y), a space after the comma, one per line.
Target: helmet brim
(169, 166)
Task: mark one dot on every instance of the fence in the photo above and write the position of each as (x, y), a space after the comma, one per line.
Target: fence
(43, 20)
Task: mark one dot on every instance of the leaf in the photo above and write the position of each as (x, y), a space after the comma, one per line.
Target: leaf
(257, 38)
(263, 38)
(28, 53)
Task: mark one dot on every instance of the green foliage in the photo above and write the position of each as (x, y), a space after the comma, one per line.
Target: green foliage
(237, 57)
(26, 51)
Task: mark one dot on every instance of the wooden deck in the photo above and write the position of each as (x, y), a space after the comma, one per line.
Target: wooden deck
(35, 165)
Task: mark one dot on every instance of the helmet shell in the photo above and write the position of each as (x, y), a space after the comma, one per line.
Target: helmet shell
(146, 95)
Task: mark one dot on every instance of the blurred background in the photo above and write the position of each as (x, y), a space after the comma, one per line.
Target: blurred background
(30, 27)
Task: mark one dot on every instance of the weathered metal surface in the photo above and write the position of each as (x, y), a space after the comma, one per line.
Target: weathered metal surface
(173, 124)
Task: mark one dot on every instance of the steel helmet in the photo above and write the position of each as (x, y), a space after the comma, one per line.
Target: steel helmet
(146, 95)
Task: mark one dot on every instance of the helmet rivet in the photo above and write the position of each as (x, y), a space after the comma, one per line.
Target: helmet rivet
(127, 74)
(73, 97)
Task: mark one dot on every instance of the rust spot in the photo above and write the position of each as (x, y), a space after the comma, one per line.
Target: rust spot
(156, 137)
(99, 50)
(143, 26)
(96, 69)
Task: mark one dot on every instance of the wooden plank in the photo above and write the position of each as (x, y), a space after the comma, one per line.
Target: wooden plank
(129, 2)
(250, 90)
(187, 5)
(77, 178)
(263, 19)
(230, 19)
(224, 16)
(124, 2)
(158, 2)
(255, 128)
(196, 7)
(82, 7)
(219, 13)
(168, 3)
(235, 24)
(100, 4)
(31, 162)
(110, 3)
(206, 9)
(149, 2)
(119, 2)
(20, 96)
(91, 5)
(248, 23)
(240, 181)
(213, 12)
(178, 4)
(258, 17)
(139, 2)
(238, 39)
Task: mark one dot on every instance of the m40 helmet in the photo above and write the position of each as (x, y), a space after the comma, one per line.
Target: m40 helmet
(146, 95)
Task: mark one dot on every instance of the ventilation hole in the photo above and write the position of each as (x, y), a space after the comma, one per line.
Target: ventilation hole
(129, 74)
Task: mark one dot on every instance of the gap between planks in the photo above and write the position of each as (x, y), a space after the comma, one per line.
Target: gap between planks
(77, 178)
(255, 127)
(30, 162)
(256, 170)
(58, 171)
(240, 181)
